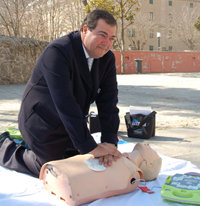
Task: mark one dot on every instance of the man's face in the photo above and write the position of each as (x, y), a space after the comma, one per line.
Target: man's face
(98, 41)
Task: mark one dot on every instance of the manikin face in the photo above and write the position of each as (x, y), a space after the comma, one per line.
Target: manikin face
(98, 41)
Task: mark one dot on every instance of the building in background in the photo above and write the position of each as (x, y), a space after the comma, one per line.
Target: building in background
(165, 25)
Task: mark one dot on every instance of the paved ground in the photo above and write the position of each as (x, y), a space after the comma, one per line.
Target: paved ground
(174, 96)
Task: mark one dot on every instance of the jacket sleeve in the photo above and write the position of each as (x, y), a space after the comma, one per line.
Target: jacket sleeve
(56, 70)
(107, 103)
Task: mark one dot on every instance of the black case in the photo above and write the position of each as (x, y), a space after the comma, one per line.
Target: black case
(94, 124)
(141, 126)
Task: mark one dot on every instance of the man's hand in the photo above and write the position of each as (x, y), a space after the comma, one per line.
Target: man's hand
(107, 160)
(107, 153)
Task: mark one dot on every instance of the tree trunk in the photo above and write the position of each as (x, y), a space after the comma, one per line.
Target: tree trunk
(122, 45)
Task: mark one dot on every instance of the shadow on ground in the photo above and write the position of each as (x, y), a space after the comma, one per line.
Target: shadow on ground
(123, 135)
(162, 98)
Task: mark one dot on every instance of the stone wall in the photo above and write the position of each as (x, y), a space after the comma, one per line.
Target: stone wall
(17, 58)
(19, 55)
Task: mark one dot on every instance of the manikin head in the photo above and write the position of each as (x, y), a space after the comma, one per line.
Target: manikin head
(146, 159)
(98, 33)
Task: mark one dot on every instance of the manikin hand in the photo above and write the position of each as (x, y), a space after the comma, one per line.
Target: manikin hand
(106, 153)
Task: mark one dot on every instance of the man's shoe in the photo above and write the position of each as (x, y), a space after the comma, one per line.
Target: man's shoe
(3, 136)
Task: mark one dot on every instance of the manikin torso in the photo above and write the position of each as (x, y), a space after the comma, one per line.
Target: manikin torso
(74, 181)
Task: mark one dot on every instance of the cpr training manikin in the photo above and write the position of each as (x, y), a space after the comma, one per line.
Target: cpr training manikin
(80, 179)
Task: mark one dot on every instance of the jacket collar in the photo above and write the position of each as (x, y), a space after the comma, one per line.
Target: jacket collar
(90, 78)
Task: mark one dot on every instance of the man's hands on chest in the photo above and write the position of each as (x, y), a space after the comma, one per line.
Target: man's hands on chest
(107, 153)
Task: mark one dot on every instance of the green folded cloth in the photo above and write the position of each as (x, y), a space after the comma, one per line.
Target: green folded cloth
(14, 133)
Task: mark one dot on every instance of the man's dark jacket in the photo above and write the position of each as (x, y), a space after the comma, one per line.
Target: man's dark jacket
(57, 97)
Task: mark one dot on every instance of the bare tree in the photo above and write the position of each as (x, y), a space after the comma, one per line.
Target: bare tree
(43, 20)
(76, 14)
(11, 16)
(35, 21)
(141, 31)
(183, 27)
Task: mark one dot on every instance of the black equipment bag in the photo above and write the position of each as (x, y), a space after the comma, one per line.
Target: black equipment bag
(140, 125)
(94, 123)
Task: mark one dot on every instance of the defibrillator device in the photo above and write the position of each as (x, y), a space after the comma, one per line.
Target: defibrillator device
(183, 188)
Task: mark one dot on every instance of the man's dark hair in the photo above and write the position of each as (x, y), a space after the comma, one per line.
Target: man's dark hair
(92, 18)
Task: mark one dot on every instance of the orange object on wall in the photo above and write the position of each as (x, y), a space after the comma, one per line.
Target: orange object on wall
(159, 61)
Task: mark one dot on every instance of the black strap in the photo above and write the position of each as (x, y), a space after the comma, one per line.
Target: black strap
(146, 118)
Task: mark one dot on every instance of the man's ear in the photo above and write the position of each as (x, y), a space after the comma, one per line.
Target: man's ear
(85, 28)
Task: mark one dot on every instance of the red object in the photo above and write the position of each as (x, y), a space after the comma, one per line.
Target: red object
(147, 190)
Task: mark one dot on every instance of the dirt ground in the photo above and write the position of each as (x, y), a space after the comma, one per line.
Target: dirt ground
(174, 96)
